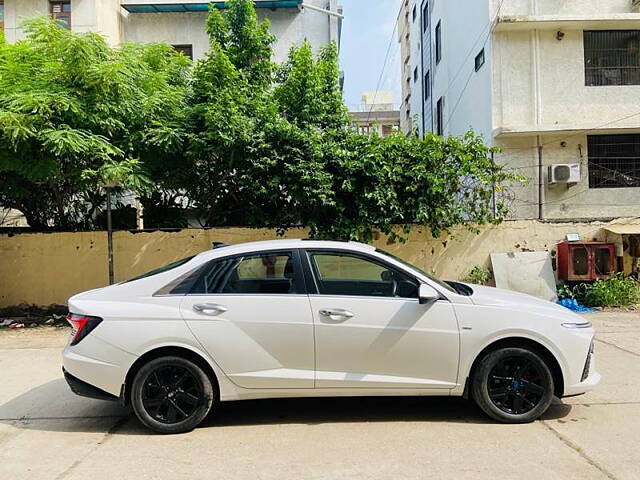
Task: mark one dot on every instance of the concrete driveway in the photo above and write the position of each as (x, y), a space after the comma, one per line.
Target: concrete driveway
(47, 432)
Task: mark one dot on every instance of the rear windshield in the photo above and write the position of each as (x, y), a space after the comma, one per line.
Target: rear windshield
(166, 268)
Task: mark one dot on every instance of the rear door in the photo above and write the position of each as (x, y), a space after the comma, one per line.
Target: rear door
(252, 314)
(372, 332)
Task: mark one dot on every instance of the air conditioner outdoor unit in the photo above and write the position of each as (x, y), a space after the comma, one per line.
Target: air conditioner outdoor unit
(564, 173)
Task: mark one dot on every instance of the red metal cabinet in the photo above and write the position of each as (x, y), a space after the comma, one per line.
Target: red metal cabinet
(585, 260)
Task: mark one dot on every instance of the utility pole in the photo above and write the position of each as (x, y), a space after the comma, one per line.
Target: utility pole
(109, 235)
(540, 184)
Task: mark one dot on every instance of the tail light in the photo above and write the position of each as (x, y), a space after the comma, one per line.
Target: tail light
(81, 325)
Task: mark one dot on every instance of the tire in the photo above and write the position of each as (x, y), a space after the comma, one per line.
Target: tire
(172, 395)
(513, 385)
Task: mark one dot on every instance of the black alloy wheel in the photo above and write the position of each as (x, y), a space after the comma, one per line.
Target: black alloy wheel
(513, 385)
(172, 394)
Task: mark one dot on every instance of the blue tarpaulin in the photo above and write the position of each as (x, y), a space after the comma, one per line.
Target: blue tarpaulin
(573, 305)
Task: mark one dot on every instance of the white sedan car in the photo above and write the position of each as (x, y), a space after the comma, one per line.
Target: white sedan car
(305, 318)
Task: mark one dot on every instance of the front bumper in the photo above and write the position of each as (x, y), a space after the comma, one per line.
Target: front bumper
(590, 378)
(589, 383)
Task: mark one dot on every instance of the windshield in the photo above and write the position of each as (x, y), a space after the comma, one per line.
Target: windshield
(166, 268)
(419, 270)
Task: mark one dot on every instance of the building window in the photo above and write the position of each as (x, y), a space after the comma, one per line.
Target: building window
(414, 14)
(427, 85)
(61, 12)
(439, 42)
(425, 17)
(440, 116)
(186, 50)
(612, 57)
(614, 161)
(1, 15)
(480, 60)
(415, 75)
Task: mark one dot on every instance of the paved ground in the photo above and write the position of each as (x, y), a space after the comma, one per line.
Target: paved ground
(48, 433)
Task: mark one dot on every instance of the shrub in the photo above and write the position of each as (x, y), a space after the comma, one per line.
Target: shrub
(478, 275)
(617, 291)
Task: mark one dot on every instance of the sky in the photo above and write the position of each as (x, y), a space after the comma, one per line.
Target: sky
(367, 29)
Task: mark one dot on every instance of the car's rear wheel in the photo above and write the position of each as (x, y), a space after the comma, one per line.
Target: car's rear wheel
(513, 385)
(171, 395)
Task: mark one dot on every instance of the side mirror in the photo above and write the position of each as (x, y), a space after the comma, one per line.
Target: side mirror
(426, 294)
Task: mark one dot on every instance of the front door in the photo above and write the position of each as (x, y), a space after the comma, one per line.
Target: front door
(372, 332)
(252, 314)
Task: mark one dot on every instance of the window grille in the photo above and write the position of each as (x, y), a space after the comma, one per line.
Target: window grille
(614, 161)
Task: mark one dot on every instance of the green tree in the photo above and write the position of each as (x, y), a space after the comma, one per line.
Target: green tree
(70, 104)
(271, 147)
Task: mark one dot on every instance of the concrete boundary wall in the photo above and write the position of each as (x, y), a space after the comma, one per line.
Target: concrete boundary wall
(47, 268)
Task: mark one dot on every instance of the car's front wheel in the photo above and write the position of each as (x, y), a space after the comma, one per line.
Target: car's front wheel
(171, 395)
(513, 385)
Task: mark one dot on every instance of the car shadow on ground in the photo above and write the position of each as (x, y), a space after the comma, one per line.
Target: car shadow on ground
(52, 407)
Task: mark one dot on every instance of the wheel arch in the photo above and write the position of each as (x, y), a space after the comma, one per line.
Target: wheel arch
(521, 342)
(167, 351)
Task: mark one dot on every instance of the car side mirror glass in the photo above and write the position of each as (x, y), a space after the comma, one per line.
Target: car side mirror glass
(427, 294)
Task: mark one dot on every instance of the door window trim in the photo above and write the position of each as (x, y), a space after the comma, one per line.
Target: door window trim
(311, 280)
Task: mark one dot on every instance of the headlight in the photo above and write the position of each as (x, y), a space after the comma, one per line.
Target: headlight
(574, 325)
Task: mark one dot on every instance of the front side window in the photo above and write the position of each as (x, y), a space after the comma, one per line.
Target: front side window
(614, 161)
(612, 57)
(265, 273)
(61, 12)
(353, 275)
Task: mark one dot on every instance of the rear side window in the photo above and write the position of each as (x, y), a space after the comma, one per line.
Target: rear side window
(265, 273)
(353, 275)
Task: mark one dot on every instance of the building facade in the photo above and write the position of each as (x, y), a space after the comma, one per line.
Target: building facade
(555, 84)
(178, 23)
(377, 114)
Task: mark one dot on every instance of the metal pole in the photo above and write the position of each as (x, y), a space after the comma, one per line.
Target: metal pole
(109, 236)
(322, 10)
(493, 187)
(540, 184)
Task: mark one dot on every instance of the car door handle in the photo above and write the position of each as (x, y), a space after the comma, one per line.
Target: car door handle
(336, 314)
(211, 309)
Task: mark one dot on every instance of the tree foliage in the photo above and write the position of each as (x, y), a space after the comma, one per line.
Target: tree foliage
(237, 139)
(271, 147)
(71, 104)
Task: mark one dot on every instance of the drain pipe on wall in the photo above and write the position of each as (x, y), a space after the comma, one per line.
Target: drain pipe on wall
(537, 106)
(540, 180)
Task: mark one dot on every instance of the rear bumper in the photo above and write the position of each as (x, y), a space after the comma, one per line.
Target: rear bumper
(85, 389)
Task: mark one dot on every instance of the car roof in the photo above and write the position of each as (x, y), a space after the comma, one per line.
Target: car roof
(286, 244)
